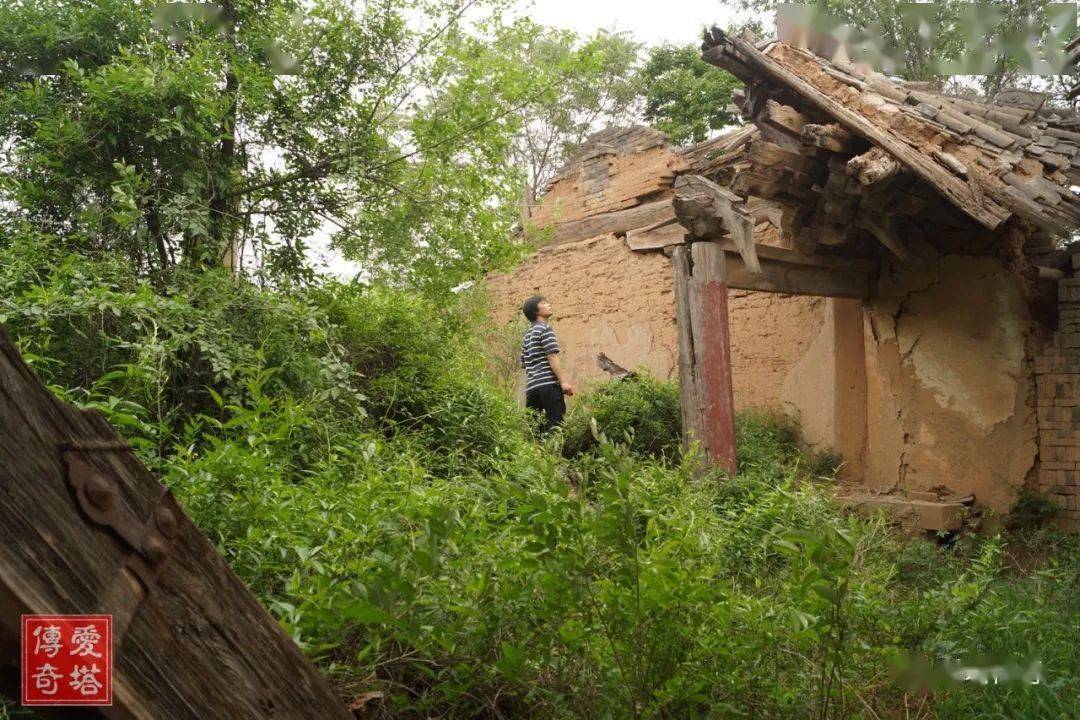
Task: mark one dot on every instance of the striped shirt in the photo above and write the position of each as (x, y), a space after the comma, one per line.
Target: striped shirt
(538, 343)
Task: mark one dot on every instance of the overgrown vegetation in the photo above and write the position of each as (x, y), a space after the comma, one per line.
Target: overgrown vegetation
(355, 452)
(348, 452)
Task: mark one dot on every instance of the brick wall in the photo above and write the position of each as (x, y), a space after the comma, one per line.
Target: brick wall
(1057, 378)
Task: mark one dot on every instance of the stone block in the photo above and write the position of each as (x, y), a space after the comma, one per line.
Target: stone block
(936, 516)
(915, 514)
(1052, 453)
(1049, 413)
(1067, 293)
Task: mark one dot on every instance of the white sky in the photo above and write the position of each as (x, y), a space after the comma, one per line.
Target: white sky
(655, 22)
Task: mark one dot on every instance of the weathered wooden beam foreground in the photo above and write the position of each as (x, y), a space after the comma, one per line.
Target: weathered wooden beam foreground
(705, 352)
(85, 528)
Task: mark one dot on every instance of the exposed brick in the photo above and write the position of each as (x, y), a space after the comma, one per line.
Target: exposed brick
(1053, 414)
(1052, 453)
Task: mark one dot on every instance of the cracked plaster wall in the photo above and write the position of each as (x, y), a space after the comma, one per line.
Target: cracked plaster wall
(949, 382)
(826, 389)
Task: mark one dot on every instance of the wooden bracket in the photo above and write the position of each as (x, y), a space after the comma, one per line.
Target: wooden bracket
(708, 211)
(99, 499)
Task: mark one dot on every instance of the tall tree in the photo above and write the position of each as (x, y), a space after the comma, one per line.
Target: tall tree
(196, 133)
(504, 105)
(685, 96)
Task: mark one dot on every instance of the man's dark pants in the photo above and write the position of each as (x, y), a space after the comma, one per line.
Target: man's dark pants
(549, 400)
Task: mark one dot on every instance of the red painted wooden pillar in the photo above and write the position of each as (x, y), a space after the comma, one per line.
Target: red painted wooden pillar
(705, 352)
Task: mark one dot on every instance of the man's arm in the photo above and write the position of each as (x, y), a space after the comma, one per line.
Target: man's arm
(551, 349)
(560, 374)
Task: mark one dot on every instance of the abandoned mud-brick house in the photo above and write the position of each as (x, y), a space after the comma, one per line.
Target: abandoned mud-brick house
(896, 261)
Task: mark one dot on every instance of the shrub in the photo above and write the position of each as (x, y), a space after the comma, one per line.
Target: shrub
(643, 412)
(345, 450)
(424, 373)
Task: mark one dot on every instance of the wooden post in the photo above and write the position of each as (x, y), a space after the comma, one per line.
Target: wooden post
(704, 352)
(691, 409)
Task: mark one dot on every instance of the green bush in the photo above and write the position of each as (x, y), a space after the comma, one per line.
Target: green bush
(639, 410)
(424, 373)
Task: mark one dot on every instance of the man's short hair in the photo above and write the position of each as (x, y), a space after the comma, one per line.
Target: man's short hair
(532, 307)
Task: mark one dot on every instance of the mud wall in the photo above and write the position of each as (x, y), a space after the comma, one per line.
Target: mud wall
(609, 299)
(825, 391)
(930, 385)
(949, 382)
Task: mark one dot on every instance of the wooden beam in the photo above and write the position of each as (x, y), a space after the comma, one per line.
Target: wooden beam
(794, 273)
(619, 221)
(991, 215)
(708, 210)
(712, 354)
(783, 117)
(831, 137)
(764, 210)
(191, 641)
(883, 228)
(656, 237)
(873, 167)
(763, 153)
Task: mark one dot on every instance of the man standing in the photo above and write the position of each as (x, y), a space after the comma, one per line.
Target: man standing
(546, 382)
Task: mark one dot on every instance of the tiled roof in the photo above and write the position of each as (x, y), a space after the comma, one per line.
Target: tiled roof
(992, 160)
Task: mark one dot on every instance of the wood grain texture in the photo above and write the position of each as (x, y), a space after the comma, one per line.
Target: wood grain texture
(197, 644)
(708, 210)
(620, 221)
(691, 410)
